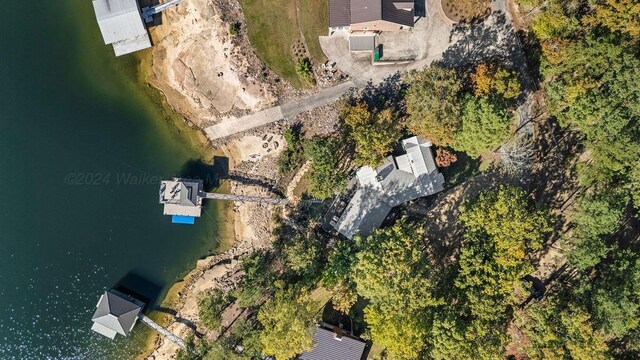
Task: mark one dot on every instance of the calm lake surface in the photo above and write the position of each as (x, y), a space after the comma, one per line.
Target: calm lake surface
(80, 143)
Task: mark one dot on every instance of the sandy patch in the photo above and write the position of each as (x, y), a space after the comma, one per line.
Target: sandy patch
(253, 148)
(202, 69)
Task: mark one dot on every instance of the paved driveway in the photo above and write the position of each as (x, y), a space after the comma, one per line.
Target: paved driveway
(433, 38)
(426, 42)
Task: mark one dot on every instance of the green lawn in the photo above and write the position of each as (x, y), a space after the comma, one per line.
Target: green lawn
(314, 21)
(273, 29)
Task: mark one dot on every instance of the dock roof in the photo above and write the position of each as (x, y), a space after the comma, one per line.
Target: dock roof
(121, 24)
(181, 197)
(115, 315)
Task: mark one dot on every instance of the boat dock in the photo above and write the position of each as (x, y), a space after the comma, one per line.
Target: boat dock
(182, 199)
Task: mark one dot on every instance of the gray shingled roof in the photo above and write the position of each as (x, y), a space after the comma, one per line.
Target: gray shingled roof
(398, 16)
(116, 313)
(327, 347)
(398, 180)
(365, 10)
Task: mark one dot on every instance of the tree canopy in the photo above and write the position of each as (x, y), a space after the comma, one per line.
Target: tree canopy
(393, 273)
(325, 177)
(433, 104)
(500, 229)
(559, 332)
(288, 321)
(485, 125)
(373, 131)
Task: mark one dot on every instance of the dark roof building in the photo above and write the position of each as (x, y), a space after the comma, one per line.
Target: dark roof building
(371, 15)
(330, 345)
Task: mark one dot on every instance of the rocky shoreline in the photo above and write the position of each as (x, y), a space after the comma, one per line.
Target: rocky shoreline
(206, 72)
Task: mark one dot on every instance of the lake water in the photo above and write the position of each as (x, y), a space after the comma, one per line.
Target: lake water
(80, 144)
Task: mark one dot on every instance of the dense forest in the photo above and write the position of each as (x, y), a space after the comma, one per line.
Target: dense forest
(560, 180)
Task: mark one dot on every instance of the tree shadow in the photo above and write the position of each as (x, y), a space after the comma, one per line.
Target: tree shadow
(464, 168)
(388, 94)
(494, 41)
(140, 287)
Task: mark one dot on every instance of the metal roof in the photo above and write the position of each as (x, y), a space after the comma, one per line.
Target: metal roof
(362, 42)
(365, 212)
(115, 314)
(132, 45)
(119, 20)
(419, 155)
(121, 24)
(328, 347)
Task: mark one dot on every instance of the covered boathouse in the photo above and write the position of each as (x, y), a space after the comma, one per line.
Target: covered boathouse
(122, 25)
(116, 313)
(182, 199)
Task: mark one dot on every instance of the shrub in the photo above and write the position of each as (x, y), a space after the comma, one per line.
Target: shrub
(304, 69)
(210, 308)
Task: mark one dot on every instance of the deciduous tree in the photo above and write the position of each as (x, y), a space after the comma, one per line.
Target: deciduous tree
(210, 307)
(596, 89)
(337, 275)
(433, 104)
(326, 176)
(500, 229)
(488, 79)
(561, 332)
(595, 217)
(485, 125)
(288, 321)
(618, 15)
(393, 273)
(374, 132)
(614, 295)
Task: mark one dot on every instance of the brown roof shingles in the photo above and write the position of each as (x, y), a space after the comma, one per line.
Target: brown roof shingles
(339, 13)
(347, 12)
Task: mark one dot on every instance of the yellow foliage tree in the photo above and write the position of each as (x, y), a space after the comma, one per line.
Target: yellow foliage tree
(288, 321)
(617, 15)
(374, 132)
